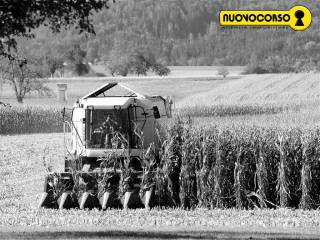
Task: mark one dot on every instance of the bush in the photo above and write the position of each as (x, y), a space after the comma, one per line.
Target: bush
(76, 58)
(119, 69)
(276, 64)
(255, 70)
(139, 64)
(160, 69)
(81, 68)
(223, 71)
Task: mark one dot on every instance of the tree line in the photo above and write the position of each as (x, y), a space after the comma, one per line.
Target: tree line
(185, 32)
(188, 33)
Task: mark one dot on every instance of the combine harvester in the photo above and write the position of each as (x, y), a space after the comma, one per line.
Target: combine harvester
(110, 128)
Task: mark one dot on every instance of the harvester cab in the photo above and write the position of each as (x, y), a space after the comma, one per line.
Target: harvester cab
(110, 131)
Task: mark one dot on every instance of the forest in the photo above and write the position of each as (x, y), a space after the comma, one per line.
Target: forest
(176, 32)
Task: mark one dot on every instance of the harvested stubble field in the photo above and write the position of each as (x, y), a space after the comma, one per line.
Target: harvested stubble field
(254, 95)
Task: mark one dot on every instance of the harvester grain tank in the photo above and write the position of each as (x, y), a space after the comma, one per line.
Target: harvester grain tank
(110, 131)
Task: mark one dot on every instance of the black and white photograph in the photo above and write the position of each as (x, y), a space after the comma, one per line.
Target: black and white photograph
(159, 119)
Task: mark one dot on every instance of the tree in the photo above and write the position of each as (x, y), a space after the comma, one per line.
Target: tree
(76, 57)
(142, 60)
(223, 71)
(254, 67)
(272, 64)
(19, 18)
(139, 64)
(118, 67)
(117, 63)
(92, 50)
(160, 69)
(23, 77)
(54, 63)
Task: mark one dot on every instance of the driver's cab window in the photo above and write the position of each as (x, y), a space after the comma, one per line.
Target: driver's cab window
(107, 128)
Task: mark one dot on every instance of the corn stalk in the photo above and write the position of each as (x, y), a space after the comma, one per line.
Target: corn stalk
(282, 181)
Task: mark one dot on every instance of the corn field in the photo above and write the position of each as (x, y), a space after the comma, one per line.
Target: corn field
(227, 109)
(30, 119)
(216, 166)
(242, 167)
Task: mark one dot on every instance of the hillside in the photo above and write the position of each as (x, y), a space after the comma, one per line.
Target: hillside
(187, 33)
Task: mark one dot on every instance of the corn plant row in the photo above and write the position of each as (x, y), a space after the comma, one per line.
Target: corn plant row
(221, 110)
(28, 119)
(242, 167)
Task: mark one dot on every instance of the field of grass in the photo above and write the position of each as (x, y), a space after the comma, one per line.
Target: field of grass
(256, 94)
(261, 89)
